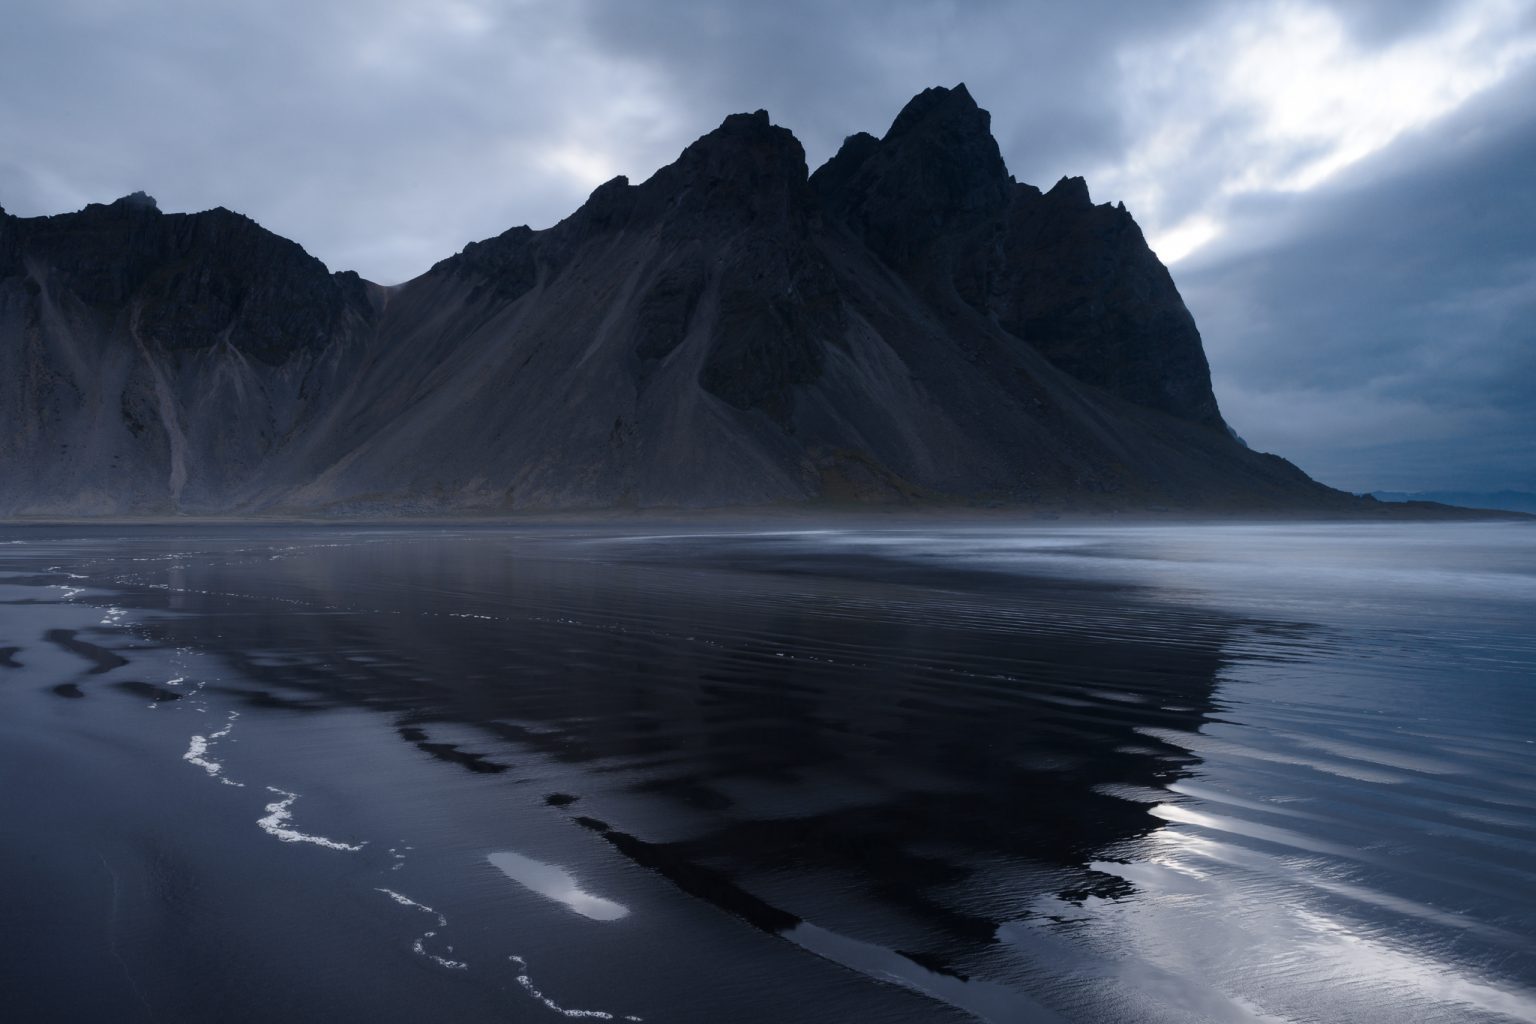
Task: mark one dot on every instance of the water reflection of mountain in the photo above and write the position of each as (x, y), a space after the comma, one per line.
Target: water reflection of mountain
(906, 753)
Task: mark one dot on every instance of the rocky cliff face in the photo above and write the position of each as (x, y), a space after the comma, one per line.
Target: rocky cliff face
(1075, 281)
(151, 363)
(908, 323)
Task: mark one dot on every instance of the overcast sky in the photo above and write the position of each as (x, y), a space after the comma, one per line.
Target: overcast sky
(1344, 191)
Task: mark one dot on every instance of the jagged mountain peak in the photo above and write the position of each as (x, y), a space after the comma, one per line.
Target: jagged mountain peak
(944, 128)
(137, 201)
(953, 109)
(133, 207)
(832, 177)
(937, 166)
(746, 147)
(1072, 190)
(191, 282)
(747, 170)
(747, 166)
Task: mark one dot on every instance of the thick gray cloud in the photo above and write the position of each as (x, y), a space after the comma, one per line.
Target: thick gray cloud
(1381, 330)
(1041, 68)
(1342, 177)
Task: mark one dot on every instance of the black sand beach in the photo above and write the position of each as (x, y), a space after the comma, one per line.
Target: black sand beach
(1170, 772)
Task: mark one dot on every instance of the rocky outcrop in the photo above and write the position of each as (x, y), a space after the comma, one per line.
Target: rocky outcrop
(149, 363)
(1075, 281)
(906, 324)
(917, 197)
(195, 281)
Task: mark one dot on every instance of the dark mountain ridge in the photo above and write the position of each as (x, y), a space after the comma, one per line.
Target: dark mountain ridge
(906, 324)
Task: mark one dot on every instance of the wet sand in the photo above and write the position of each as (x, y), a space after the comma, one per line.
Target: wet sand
(1042, 772)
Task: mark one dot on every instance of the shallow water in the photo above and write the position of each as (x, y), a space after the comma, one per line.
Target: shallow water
(1166, 773)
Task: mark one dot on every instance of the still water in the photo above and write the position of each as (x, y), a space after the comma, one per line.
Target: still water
(1221, 773)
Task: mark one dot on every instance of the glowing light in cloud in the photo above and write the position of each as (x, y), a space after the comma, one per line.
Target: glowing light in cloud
(585, 165)
(1283, 100)
(1185, 237)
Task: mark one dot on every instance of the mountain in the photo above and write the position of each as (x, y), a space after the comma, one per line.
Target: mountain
(907, 324)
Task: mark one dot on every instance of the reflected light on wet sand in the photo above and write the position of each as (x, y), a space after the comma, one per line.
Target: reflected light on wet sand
(554, 882)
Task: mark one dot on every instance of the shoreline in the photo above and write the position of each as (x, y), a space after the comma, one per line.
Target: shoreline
(1408, 512)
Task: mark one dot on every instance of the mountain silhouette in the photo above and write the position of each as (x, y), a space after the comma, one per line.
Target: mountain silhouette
(908, 324)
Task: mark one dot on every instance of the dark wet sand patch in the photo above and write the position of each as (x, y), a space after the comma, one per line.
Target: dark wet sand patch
(560, 799)
(451, 753)
(102, 659)
(148, 691)
(8, 657)
(715, 888)
(690, 791)
(267, 699)
(68, 690)
(696, 880)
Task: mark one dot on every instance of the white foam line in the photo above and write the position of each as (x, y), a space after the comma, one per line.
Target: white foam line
(419, 947)
(524, 980)
(197, 752)
(406, 901)
(275, 824)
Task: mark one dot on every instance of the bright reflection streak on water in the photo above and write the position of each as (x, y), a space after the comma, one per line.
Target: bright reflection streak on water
(554, 882)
